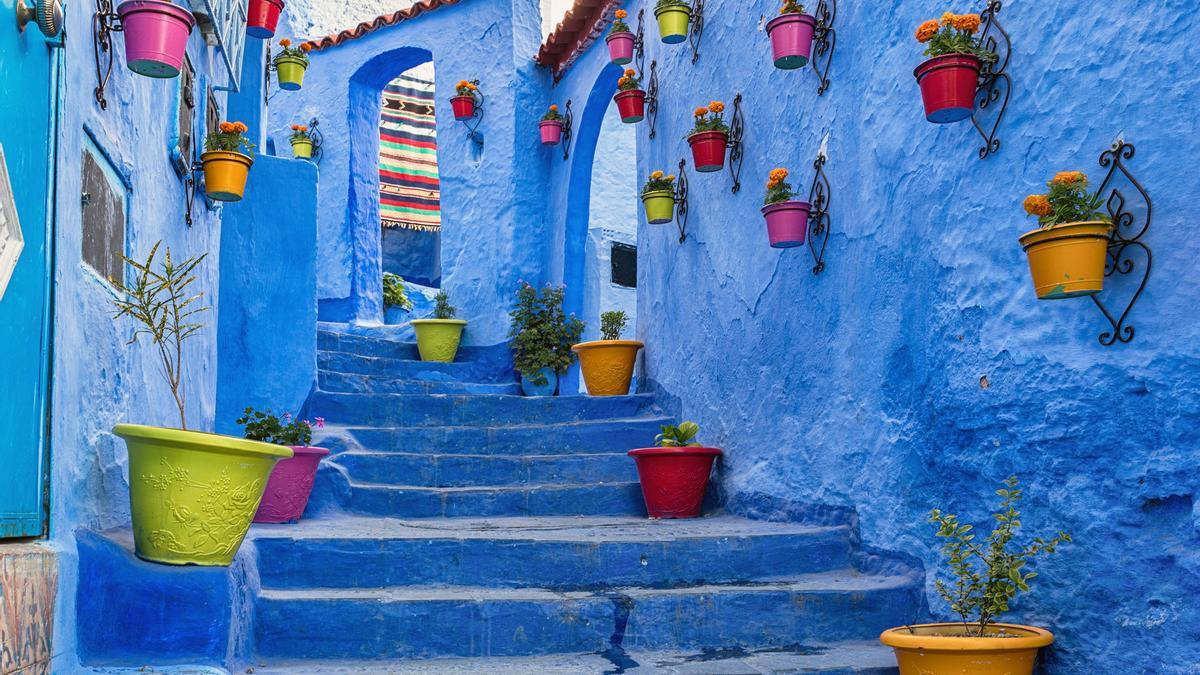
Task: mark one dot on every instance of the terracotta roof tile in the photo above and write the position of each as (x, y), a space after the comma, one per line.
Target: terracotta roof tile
(582, 25)
(381, 21)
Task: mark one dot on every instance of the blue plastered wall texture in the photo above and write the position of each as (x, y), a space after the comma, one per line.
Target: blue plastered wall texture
(919, 370)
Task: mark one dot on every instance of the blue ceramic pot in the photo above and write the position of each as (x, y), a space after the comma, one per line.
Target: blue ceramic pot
(547, 389)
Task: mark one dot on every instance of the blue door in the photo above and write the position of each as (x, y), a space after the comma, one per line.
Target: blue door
(26, 126)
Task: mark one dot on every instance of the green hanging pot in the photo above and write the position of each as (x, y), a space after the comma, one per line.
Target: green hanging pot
(437, 339)
(673, 23)
(660, 206)
(302, 148)
(290, 70)
(192, 495)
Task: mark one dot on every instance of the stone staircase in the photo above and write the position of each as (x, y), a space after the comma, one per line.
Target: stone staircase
(461, 527)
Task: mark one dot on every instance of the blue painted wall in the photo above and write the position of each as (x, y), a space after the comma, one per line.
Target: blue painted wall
(863, 387)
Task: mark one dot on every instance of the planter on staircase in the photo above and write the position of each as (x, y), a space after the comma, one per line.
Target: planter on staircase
(156, 36)
(942, 649)
(531, 388)
(262, 16)
(674, 479)
(607, 365)
(290, 486)
(438, 339)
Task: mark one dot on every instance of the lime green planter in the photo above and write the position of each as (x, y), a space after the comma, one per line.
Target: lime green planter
(437, 339)
(290, 70)
(673, 23)
(660, 206)
(302, 148)
(192, 495)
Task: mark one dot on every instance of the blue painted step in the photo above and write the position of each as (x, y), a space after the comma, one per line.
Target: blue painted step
(468, 371)
(552, 553)
(453, 410)
(423, 622)
(515, 500)
(425, 470)
(391, 348)
(356, 383)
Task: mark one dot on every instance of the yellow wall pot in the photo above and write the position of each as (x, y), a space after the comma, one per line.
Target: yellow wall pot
(1067, 260)
(940, 649)
(225, 175)
(607, 365)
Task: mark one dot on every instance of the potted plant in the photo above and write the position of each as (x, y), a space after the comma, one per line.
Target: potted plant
(620, 39)
(291, 64)
(673, 19)
(950, 77)
(542, 336)
(465, 100)
(631, 100)
(1067, 254)
(156, 36)
(191, 494)
(987, 575)
(791, 36)
(709, 137)
(607, 363)
(438, 338)
(551, 126)
(787, 217)
(674, 473)
(291, 482)
(262, 16)
(302, 143)
(226, 167)
(658, 197)
(396, 303)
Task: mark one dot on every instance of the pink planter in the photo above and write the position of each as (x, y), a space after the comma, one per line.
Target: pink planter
(289, 487)
(620, 47)
(551, 131)
(156, 36)
(787, 223)
(791, 40)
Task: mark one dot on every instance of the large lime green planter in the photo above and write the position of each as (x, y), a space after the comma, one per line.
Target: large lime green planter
(290, 70)
(437, 339)
(660, 206)
(673, 23)
(193, 494)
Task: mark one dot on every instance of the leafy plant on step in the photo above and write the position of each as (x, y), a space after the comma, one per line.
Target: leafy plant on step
(541, 332)
(160, 301)
(394, 293)
(442, 309)
(678, 437)
(987, 575)
(265, 426)
(611, 325)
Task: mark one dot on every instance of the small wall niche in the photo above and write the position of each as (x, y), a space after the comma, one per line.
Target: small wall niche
(104, 199)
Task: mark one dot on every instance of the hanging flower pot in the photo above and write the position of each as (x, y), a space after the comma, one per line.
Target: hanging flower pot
(787, 218)
(291, 64)
(438, 338)
(791, 36)
(226, 168)
(658, 196)
(302, 142)
(551, 131)
(262, 16)
(674, 475)
(607, 364)
(156, 36)
(631, 100)
(673, 19)
(709, 137)
(464, 102)
(620, 40)
(949, 79)
(1067, 259)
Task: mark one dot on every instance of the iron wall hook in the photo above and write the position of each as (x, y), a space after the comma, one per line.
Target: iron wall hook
(318, 140)
(737, 129)
(681, 201)
(824, 42)
(652, 98)
(819, 198)
(105, 22)
(568, 126)
(696, 30)
(995, 84)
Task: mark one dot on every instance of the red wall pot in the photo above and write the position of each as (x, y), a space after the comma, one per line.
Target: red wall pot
(464, 107)
(551, 131)
(948, 86)
(708, 150)
(620, 47)
(261, 18)
(632, 105)
(674, 479)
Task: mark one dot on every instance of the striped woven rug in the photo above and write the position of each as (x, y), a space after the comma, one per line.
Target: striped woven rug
(409, 192)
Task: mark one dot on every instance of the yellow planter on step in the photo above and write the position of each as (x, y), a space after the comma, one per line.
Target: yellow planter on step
(607, 365)
(1067, 260)
(225, 175)
(437, 339)
(934, 649)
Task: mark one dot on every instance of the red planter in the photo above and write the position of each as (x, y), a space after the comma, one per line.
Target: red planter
(551, 131)
(632, 105)
(464, 107)
(620, 47)
(708, 150)
(674, 479)
(261, 18)
(948, 86)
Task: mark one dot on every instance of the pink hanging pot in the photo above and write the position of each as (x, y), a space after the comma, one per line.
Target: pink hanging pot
(791, 40)
(156, 36)
(787, 223)
(620, 48)
(551, 131)
(290, 486)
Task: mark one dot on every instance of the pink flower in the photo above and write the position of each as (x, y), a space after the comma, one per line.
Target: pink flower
(320, 422)
(287, 416)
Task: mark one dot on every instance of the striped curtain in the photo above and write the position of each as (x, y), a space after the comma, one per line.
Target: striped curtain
(409, 192)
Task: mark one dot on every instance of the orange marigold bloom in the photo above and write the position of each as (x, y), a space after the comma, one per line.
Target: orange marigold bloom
(948, 19)
(670, 178)
(295, 127)
(716, 107)
(927, 30)
(226, 127)
(1037, 205)
(472, 86)
(700, 112)
(240, 127)
(621, 14)
(623, 81)
(1068, 177)
(285, 43)
(656, 175)
(968, 23)
(306, 47)
(630, 72)
(554, 107)
(779, 174)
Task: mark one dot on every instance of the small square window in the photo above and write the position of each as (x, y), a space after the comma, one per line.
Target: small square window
(624, 265)
(103, 202)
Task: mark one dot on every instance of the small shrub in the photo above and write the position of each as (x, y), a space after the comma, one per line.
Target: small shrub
(611, 325)
(1068, 201)
(678, 437)
(442, 309)
(953, 34)
(542, 334)
(265, 426)
(394, 293)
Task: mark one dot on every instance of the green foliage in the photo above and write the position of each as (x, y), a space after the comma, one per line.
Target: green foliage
(629, 81)
(678, 437)
(229, 137)
(160, 302)
(266, 427)
(709, 118)
(659, 182)
(552, 114)
(671, 3)
(394, 293)
(1068, 201)
(954, 34)
(442, 308)
(988, 575)
(619, 26)
(611, 325)
(542, 334)
(792, 7)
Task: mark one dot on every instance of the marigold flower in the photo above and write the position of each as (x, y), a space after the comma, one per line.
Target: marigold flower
(716, 107)
(656, 175)
(630, 72)
(779, 174)
(306, 47)
(968, 23)
(226, 127)
(623, 81)
(948, 19)
(700, 112)
(1068, 177)
(295, 127)
(240, 128)
(621, 14)
(553, 107)
(670, 178)
(1037, 205)
(285, 43)
(772, 184)
(927, 30)
(472, 86)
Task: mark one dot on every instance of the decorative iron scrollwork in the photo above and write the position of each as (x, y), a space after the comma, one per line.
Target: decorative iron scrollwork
(824, 42)
(696, 31)
(105, 22)
(568, 127)
(819, 197)
(318, 140)
(1126, 235)
(652, 97)
(472, 123)
(995, 84)
(681, 201)
(639, 42)
(737, 128)
(189, 189)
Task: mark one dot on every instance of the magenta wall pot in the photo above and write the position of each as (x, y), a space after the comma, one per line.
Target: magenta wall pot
(787, 223)
(156, 35)
(551, 131)
(791, 40)
(289, 486)
(261, 18)
(948, 86)
(674, 479)
(620, 47)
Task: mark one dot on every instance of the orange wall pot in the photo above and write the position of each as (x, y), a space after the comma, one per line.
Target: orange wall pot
(1067, 260)
(225, 175)
(607, 365)
(933, 649)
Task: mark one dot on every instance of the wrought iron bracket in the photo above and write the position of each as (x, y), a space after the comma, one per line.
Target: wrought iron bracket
(639, 42)
(696, 29)
(318, 140)
(472, 123)
(652, 97)
(737, 129)
(681, 201)
(1126, 236)
(819, 197)
(105, 22)
(995, 84)
(824, 42)
(189, 189)
(568, 127)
